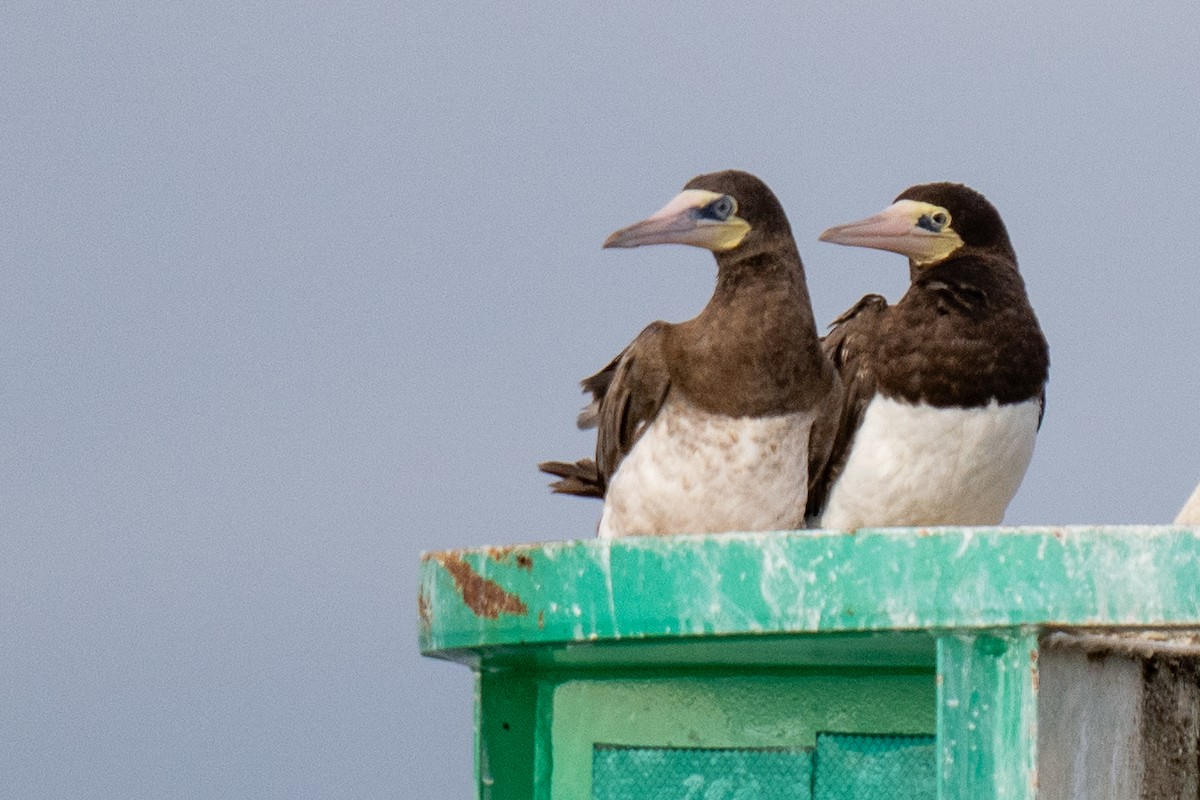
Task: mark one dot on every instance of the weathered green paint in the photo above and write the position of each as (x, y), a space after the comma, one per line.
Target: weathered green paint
(745, 640)
(808, 582)
(987, 716)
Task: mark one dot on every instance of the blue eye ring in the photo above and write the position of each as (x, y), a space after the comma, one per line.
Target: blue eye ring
(722, 208)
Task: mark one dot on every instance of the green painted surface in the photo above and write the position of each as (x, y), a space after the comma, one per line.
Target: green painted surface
(689, 587)
(714, 709)
(506, 732)
(900, 649)
(762, 640)
(987, 716)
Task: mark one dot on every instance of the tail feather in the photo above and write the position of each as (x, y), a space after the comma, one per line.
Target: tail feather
(580, 478)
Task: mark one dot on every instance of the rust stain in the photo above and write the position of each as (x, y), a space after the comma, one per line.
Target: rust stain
(541, 620)
(423, 611)
(485, 597)
(498, 554)
(504, 554)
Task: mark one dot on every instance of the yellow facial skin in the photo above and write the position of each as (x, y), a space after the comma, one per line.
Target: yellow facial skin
(687, 219)
(921, 231)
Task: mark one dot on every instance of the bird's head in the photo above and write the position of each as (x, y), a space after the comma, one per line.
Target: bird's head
(930, 223)
(720, 211)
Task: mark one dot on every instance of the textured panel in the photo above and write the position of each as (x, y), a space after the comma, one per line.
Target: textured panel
(648, 773)
(850, 767)
(1089, 726)
(1171, 729)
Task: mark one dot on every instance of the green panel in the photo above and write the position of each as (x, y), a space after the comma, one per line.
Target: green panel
(875, 767)
(660, 773)
(720, 710)
(987, 716)
(507, 727)
(806, 582)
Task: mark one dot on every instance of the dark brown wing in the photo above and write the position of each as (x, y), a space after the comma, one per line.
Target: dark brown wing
(598, 385)
(632, 399)
(848, 345)
(626, 397)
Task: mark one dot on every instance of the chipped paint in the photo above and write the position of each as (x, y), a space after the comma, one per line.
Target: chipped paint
(484, 597)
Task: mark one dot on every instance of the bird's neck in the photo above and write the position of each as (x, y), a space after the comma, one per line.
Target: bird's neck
(754, 348)
(749, 283)
(765, 263)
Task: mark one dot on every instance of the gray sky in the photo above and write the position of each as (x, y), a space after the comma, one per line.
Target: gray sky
(293, 291)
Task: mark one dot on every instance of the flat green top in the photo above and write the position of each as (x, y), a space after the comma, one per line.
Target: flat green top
(493, 601)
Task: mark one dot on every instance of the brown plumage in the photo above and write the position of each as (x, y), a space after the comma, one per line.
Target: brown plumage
(752, 352)
(963, 336)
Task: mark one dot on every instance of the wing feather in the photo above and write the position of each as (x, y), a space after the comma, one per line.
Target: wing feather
(627, 395)
(848, 346)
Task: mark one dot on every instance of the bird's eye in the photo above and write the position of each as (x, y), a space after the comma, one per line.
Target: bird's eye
(722, 208)
(934, 222)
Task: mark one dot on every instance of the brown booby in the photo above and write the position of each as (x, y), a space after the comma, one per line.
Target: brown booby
(943, 391)
(703, 426)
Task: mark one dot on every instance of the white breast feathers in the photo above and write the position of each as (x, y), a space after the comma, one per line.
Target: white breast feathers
(697, 472)
(916, 465)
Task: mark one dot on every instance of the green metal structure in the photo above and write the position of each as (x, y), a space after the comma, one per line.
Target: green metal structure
(888, 663)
